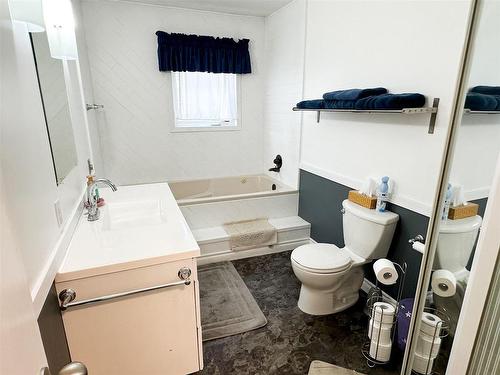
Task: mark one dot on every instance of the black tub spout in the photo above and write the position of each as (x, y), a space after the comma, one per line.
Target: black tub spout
(278, 162)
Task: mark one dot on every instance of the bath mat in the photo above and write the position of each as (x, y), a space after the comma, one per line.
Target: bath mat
(323, 368)
(251, 233)
(227, 306)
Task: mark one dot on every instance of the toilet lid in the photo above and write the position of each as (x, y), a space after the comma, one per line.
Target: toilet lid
(321, 258)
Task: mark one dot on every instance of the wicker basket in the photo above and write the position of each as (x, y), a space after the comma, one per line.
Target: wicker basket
(461, 212)
(362, 200)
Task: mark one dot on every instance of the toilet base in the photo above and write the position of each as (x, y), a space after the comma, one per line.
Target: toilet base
(343, 294)
(316, 302)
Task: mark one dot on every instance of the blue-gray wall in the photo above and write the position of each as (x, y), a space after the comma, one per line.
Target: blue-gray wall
(320, 202)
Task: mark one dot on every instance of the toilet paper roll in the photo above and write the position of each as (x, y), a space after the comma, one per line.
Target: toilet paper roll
(431, 324)
(428, 346)
(380, 331)
(422, 365)
(444, 283)
(380, 352)
(383, 312)
(385, 272)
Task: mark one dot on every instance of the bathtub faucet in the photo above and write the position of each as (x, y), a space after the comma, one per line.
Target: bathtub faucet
(278, 162)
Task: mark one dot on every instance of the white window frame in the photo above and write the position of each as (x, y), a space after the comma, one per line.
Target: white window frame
(215, 128)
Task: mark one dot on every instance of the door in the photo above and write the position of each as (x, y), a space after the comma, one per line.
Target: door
(21, 349)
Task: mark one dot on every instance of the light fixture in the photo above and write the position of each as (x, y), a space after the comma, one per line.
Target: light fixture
(29, 12)
(60, 26)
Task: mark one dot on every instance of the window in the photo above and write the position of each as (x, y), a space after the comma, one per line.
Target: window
(205, 101)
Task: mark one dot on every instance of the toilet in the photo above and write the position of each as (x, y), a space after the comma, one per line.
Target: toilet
(454, 248)
(332, 277)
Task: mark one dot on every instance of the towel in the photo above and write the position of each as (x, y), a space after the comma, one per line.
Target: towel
(481, 102)
(391, 101)
(354, 94)
(340, 104)
(250, 234)
(311, 104)
(405, 312)
(488, 90)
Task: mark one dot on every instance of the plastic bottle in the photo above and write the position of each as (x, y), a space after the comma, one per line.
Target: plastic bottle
(383, 194)
(98, 199)
(447, 202)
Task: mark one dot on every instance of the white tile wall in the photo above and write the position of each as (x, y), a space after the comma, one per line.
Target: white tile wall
(136, 142)
(285, 38)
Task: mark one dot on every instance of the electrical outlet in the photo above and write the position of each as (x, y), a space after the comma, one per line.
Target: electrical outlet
(58, 211)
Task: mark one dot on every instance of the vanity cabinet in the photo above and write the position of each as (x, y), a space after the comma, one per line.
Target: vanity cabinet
(149, 332)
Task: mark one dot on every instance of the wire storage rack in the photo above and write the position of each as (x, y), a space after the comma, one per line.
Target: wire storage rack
(435, 326)
(383, 317)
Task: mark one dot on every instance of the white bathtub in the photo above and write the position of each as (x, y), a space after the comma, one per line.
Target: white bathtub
(226, 188)
(210, 203)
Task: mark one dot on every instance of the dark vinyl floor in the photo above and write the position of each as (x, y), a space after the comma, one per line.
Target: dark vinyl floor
(291, 339)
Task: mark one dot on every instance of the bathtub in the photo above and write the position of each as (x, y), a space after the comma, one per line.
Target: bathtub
(226, 188)
(208, 204)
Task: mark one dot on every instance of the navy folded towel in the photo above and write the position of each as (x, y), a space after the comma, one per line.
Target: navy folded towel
(481, 102)
(487, 90)
(311, 104)
(391, 101)
(354, 94)
(340, 104)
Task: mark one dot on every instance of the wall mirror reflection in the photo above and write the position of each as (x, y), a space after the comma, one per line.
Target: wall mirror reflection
(473, 165)
(55, 105)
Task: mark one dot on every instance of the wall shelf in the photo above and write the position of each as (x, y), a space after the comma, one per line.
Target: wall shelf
(406, 111)
(471, 112)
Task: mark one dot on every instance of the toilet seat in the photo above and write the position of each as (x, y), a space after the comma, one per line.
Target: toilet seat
(321, 258)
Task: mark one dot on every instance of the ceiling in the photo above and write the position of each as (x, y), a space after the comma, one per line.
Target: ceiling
(245, 7)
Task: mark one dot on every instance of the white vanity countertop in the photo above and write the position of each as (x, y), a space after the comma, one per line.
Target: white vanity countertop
(139, 226)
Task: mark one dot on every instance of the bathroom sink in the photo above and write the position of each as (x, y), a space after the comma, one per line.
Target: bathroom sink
(128, 215)
(140, 225)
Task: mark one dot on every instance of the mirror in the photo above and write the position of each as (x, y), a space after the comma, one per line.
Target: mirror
(55, 106)
(473, 164)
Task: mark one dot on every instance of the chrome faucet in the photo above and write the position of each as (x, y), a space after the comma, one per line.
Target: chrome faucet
(91, 203)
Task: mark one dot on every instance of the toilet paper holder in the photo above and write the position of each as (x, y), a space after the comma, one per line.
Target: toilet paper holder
(434, 334)
(375, 349)
(418, 243)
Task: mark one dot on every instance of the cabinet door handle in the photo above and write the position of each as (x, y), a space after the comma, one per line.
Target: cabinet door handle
(67, 295)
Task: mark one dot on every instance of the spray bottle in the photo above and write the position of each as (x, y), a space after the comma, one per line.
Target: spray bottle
(383, 194)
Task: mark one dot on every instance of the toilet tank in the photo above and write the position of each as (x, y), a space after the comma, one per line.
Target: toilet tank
(455, 243)
(368, 233)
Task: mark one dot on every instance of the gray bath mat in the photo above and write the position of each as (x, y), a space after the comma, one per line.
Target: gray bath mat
(323, 368)
(227, 307)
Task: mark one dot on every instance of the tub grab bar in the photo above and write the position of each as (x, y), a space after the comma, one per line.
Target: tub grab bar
(68, 295)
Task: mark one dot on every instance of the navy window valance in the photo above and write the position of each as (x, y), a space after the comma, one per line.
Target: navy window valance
(193, 53)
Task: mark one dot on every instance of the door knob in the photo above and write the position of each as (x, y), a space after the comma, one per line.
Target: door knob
(74, 368)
